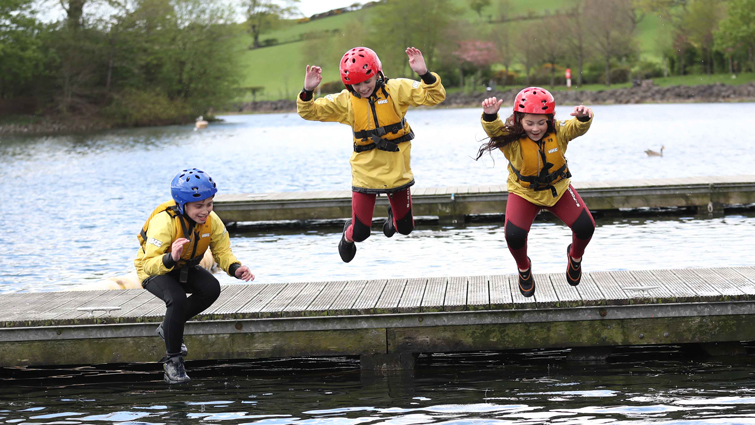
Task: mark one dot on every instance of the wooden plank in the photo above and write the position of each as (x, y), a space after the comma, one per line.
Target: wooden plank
(276, 306)
(696, 283)
(145, 300)
(346, 299)
(256, 303)
(411, 300)
(456, 294)
(369, 297)
(227, 294)
(544, 292)
(589, 291)
(239, 300)
(500, 292)
(640, 286)
(747, 272)
(435, 294)
(567, 295)
(391, 296)
(321, 304)
(304, 299)
(718, 282)
(747, 286)
(26, 306)
(478, 293)
(74, 299)
(111, 298)
(676, 286)
(418, 191)
(609, 287)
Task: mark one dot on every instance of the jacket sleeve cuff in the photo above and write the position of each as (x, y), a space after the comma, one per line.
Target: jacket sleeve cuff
(306, 95)
(428, 78)
(232, 268)
(584, 119)
(489, 117)
(168, 261)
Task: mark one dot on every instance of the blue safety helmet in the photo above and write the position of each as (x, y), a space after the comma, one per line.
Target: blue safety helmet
(191, 185)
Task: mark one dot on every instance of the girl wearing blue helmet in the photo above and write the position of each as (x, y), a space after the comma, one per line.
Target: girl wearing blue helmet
(173, 242)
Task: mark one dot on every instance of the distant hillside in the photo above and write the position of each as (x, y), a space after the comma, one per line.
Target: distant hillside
(279, 69)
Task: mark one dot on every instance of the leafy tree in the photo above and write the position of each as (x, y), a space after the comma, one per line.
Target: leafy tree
(612, 25)
(500, 34)
(701, 22)
(264, 15)
(475, 56)
(478, 5)
(576, 36)
(550, 43)
(737, 30)
(20, 48)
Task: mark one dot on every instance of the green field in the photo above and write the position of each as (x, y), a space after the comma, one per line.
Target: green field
(280, 68)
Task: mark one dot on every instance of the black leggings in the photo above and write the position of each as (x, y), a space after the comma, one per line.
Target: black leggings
(204, 289)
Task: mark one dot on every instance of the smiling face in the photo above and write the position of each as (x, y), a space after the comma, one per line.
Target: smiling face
(365, 88)
(200, 210)
(535, 126)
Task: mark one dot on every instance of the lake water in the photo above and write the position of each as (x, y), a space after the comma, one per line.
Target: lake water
(73, 204)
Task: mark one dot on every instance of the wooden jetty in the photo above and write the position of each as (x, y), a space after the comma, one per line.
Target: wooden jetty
(388, 321)
(453, 204)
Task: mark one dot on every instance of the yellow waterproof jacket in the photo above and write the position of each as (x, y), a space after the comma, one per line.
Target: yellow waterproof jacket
(163, 229)
(375, 170)
(519, 154)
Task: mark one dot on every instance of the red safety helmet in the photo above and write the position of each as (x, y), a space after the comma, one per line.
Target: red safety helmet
(535, 100)
(359, 64)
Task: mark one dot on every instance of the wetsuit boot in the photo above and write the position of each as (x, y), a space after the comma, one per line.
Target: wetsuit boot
(175, 373)
(573, 270)
(389, 229)
(184, 350)
(347, 250)
(526, 281)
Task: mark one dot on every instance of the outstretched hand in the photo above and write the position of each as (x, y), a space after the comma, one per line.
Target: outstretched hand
(581, 111)
(177, 248)
(416, 60)
(491, 105)
(312, 77)
(244, 273)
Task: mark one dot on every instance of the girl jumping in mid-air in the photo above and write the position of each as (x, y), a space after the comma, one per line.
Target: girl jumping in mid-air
(374, 106)
(534, 143)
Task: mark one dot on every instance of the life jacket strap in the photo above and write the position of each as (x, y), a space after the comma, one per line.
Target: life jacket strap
(384, 144)
(538, 183)
(381, 131)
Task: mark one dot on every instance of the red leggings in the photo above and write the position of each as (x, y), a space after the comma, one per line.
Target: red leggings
(520, 214)
(363, 206)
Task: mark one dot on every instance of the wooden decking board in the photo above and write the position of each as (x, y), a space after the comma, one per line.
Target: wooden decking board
(430, 191)
(639, 285)
(747, 272)
(567, 294)
(720, 283)
(108, 299)
(676, 286)
(259, 301)
(23, 304)
(411, 300)
(435, 294)
(239, 300)
(456, 294)
(279, 303)
(72, 301)
(611, 289)
(694, 281)
(478, 293)
(544, 292)
(418, 191)
(131, 307)
(589, 291)
(500, 292)
(369, 296)
(325, 299)
(305, 298)
(348, 296)
(227, 294)
(391, 297)
(744, 284)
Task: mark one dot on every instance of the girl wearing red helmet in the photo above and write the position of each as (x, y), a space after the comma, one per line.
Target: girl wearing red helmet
(374, 107)
(534, 143)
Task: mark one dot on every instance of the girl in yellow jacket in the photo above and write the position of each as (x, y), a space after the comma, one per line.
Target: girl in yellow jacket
(374, 106)
(534, 143)
(173, 242)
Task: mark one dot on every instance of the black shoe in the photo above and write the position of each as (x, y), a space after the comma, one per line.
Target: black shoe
(526, 281)
(389, 229)
(184, 350)
(175, 373)
(347, 250)
(573, 270)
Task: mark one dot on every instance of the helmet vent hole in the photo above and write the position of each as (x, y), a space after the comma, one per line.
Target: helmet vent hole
(521, 105)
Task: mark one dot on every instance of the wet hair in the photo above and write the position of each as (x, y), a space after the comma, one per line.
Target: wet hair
(513, 130)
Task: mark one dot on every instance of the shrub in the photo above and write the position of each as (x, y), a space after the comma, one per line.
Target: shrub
(140, 108)
(331, 87)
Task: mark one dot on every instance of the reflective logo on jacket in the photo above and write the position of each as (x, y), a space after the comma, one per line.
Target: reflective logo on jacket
(543, 163)
(199, 237)
(378, 118)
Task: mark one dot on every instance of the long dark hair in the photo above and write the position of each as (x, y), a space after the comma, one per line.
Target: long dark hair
(512, 130)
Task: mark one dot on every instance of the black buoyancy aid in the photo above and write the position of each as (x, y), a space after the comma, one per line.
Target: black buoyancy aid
(377, 123)
(543, 163)
(198, 234)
